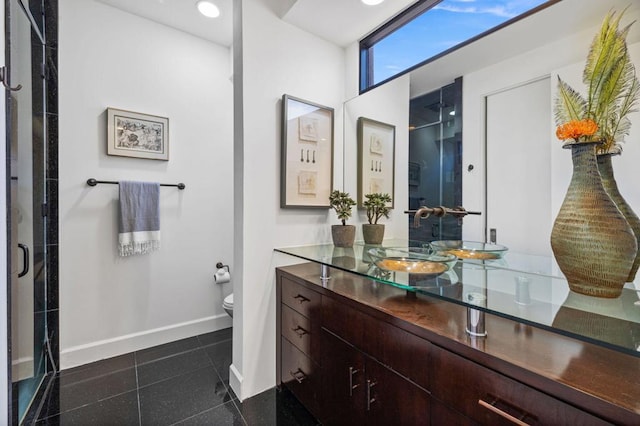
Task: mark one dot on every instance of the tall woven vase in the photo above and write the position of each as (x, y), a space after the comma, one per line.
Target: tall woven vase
(608, 180)
(592, 242)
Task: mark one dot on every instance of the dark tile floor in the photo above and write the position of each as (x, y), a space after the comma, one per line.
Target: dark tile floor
(180, 383)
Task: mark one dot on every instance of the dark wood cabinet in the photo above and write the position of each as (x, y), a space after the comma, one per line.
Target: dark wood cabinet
(301, 375)
(298, 324)
(343, 382)
(441, 414)
(356, 389)
(398, 349)
(356, 353)
(491, 398)
(392, 400)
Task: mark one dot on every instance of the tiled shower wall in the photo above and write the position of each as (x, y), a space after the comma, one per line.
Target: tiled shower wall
(51, 175)
(45, 178)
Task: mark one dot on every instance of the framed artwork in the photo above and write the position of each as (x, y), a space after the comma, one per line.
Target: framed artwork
(376, 158)
(414, 174)
(306, 177)
(132, 134)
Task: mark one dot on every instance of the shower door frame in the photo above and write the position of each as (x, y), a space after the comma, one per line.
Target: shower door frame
(43, 146)
(5, 256)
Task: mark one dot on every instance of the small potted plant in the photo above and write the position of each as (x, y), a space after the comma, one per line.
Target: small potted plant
(376, 205)
(343, 235)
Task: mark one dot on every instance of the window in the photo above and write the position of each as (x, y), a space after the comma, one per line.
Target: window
(432, 28)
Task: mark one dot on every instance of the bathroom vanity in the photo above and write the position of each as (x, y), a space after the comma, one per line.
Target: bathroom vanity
(367, 346)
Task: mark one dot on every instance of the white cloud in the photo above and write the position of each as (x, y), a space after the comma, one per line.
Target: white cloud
(495, 10)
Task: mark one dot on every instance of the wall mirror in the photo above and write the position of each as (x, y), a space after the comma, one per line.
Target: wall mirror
(513, 167)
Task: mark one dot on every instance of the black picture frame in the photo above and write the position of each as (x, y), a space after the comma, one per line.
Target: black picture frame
(306, 166)
(376, 159)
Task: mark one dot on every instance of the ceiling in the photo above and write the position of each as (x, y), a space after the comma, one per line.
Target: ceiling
(183, 15)
(341, 22)
(344, 22)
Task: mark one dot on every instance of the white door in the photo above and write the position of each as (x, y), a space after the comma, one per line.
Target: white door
(518, 167)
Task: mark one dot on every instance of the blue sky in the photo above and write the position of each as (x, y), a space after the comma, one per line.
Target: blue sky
(445, 25)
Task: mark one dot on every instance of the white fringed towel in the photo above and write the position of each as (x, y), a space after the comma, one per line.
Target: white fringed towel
(139, 218)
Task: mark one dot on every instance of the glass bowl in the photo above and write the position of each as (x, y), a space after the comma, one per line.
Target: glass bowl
(412, 260)
(469, 249)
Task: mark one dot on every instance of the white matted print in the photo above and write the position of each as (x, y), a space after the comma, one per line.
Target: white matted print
(375, 143)
(307, 154)
(307, 182)
(376, 158)
(132, 134)
(308, 127)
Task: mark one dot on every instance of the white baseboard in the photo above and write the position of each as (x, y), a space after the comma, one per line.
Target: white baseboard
(95, 351)
(21, 369)
(235, 381)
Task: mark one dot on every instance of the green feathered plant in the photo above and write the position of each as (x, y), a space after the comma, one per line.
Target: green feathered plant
(612, 87)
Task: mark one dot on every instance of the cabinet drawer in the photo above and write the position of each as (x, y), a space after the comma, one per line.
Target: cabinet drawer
(300, 298)
(301, 376)
(443, 415)
(491, 398)
(400, 350)
(297, 329)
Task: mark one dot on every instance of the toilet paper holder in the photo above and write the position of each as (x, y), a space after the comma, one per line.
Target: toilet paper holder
(220, 265)
(223, 273)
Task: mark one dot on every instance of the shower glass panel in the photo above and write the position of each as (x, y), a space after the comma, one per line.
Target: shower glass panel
(435, 166)
(26, 121)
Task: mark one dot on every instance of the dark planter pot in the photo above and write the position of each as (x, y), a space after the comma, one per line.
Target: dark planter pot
(343, 235)
(373, 234)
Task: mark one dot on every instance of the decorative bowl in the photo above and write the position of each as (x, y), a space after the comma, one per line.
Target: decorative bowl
(412, 260)
(469, 249)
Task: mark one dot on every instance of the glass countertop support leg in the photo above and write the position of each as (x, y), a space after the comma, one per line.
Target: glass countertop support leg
(475, 317)
(325, 272)
(475, 323)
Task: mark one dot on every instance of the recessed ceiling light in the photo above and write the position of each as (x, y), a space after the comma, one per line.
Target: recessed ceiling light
(208, 9)
(372, 2)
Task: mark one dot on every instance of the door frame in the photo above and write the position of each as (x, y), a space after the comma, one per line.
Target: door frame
(5, 249)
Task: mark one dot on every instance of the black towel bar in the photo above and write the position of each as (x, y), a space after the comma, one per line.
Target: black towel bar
(94, 182)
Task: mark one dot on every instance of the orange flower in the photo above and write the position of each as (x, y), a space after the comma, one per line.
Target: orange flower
(575, 129)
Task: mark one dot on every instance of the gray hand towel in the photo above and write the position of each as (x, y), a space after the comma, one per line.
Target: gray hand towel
(139, 218)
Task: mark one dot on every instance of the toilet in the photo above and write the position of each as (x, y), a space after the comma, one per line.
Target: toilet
(227, 304)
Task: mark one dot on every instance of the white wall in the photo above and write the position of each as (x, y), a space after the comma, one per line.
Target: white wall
(278, 58)
(388, 104)
(111, 305)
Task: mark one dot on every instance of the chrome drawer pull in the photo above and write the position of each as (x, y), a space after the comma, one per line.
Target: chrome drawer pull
(300, 331)
(298, 375)
(301, 298)
(501, 413)
(370, 400)
(352, 371)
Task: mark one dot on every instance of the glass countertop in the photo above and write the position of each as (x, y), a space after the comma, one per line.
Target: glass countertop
(521, 287)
